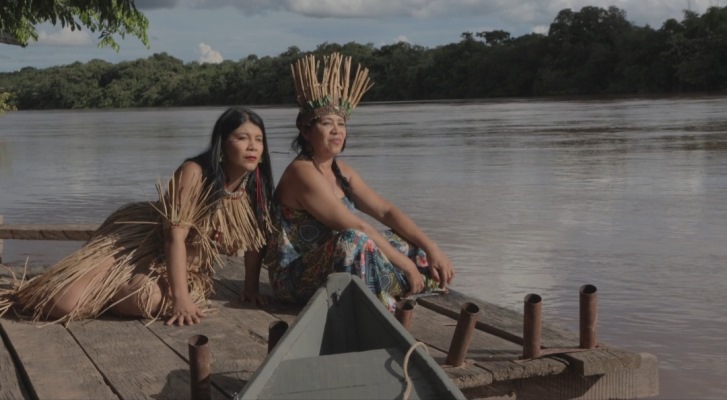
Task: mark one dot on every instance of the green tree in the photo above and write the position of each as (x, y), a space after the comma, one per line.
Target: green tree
(703, 47)
(588, 52)
(583, 54)
(18, 19)
(495, 38)
(6, 103)
(394, 71)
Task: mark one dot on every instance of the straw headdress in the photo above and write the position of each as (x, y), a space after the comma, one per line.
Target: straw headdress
(335, 93)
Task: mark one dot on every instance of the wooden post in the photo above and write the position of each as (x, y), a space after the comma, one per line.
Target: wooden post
(532, 326)
(404, 312)
(588, 316)
(462, 334)
(199, 367)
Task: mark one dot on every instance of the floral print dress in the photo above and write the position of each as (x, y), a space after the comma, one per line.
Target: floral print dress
(303, 252)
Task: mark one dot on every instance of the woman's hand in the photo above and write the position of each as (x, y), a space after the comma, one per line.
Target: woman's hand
(415, 280)
(185, 312)
(440, 267)
(255, 298)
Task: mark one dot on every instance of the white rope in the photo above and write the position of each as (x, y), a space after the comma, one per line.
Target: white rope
(407, 392)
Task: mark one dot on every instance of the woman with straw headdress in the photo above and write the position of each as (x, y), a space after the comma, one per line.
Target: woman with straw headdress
(317, 232)
(155, 260)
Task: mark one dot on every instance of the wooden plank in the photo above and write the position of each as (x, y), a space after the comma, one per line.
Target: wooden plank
(55, 366)
(81, 232)
(232, 275)
(636, 383)
(133, 360)
(498, 321)
(493, 363)
(505, 363)
(494, 356)
(603, 360)
(567, 372)
(237, 338)
(438, 330)
(465, 376)
(11, 379)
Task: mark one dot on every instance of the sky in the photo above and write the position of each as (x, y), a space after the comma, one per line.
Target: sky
(216, 30)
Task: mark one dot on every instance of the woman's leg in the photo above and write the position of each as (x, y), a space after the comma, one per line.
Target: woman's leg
(357, 254)
(138, 298)
(417, 255)
(65, 302)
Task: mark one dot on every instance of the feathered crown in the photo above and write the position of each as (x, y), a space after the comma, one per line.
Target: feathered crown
(335, 93)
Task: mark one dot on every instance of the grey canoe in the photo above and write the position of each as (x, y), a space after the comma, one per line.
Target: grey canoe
(346, 345)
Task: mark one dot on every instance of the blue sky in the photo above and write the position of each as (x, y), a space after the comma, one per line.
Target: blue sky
(216, 30)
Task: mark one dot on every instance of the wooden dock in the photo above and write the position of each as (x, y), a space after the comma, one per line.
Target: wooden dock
(111, 358)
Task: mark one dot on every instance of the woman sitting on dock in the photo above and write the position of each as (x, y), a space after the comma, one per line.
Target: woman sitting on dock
(155, 259)
(317, 232)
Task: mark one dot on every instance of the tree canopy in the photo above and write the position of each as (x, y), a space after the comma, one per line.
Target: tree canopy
(594, 51)
(5, 103)
(19, 18)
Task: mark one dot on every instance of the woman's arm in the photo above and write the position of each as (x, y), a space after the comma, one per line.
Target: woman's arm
(251, 292)
(184, 311)
(307, 189)
(369, 202)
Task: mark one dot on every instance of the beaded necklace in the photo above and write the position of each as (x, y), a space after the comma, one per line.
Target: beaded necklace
(239, 190)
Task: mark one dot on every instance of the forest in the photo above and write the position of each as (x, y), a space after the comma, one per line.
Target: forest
(594, 51)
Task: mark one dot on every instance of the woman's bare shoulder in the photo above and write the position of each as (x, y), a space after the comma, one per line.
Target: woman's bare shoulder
(296, 176)
(292, 176)
(298, 170)
(190, 167)
(189, 170)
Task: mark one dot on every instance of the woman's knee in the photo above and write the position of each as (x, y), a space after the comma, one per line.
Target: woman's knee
(353, 233)
(138, 298)
(68, 300)
(62, 305)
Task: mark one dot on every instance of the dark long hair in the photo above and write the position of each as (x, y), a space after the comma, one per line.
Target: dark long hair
(302, 149)
(260, 185)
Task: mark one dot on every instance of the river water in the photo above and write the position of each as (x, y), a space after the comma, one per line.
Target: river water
(525, 196)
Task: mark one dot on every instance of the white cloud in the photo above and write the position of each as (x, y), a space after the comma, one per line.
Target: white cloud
(249, 7)
(207, 55)
(402, 38)
(542, 29)
(65, 37)
(368, 9)
(535, 12)
(155, 4)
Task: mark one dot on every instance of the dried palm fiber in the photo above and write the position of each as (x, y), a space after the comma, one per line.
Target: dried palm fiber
(131, 241)
(8, 287)
(237, 224)
(334, 93)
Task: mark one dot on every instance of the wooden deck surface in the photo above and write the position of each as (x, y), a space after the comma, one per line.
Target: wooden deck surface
(111, 358)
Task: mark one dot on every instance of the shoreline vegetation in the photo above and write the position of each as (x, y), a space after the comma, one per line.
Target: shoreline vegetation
(591, 52)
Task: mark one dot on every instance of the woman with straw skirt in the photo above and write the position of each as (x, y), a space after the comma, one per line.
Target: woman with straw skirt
(155, 259)
(318, 231)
